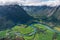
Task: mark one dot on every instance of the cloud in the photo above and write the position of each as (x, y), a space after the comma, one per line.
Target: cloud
(43, 2)
(6, 2)
(31, 2)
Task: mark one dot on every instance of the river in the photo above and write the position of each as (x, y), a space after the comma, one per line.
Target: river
(35, 30)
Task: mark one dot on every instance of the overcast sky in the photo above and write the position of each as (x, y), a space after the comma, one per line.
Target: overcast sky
(32, 2)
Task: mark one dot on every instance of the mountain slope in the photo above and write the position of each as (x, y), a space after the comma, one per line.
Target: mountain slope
(10, 15)
(46, 13)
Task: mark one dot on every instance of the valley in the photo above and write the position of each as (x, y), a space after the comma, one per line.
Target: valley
(29, 22)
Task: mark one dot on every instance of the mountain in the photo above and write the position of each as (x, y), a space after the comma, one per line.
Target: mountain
(51, 15)
(10, 15)
(37, 10)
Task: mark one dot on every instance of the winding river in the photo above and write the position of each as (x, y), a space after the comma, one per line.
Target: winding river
(35, 30)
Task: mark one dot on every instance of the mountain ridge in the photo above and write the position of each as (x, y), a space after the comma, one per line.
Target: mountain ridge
(44, 12)
(11, 15)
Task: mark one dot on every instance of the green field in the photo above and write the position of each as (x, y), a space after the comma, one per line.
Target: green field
(38, 32)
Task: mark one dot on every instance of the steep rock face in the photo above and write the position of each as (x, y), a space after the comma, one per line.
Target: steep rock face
(46, 13)
(57, 13)
(41, 11)
(38, 11)
(11, 15)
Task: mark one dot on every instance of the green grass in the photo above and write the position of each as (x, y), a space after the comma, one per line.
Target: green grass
(22, 29)
(38, 36)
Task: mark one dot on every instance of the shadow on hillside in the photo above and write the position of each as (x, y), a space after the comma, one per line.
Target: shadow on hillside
(11, 15)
